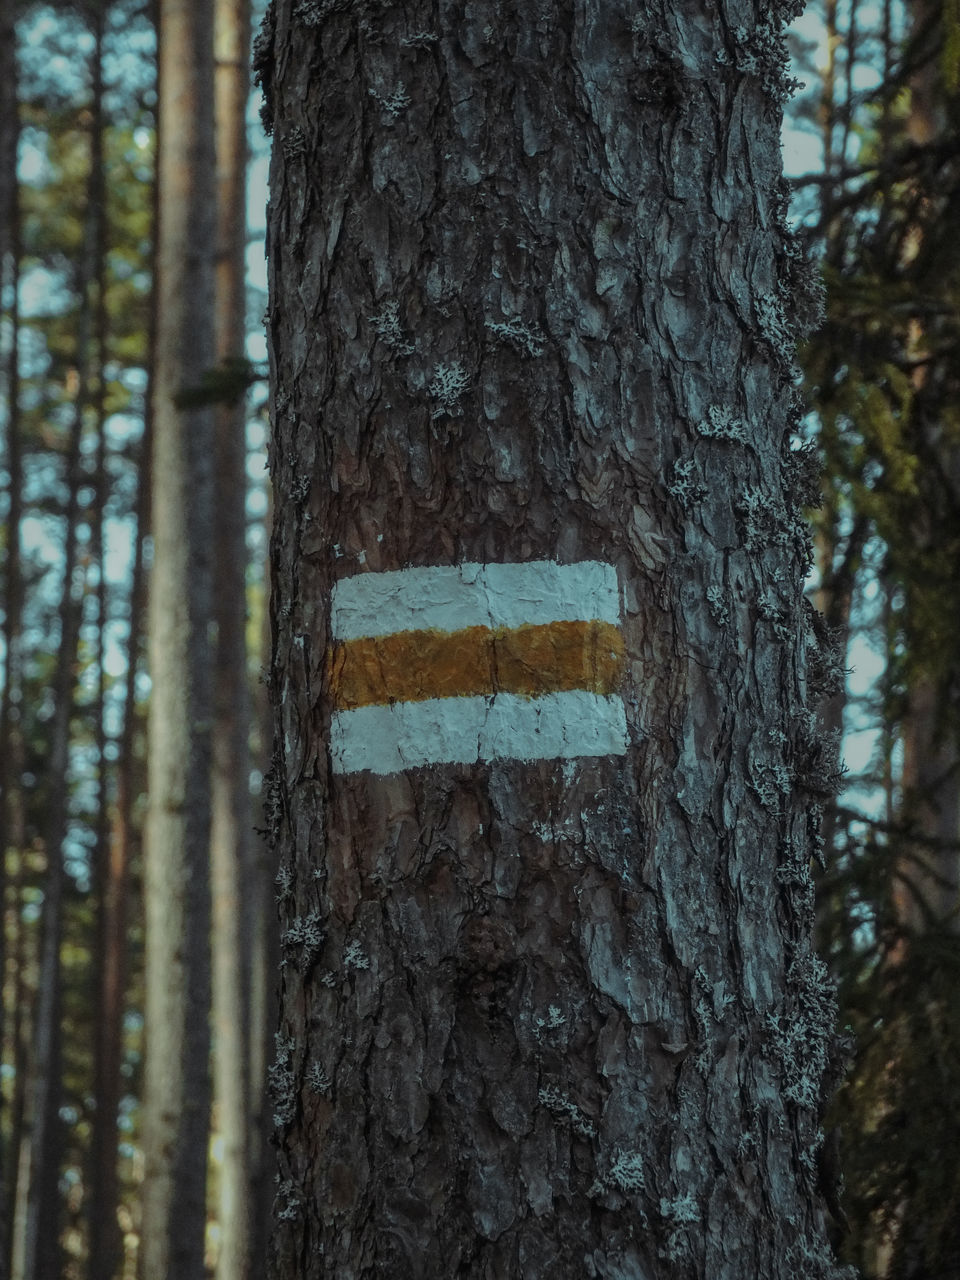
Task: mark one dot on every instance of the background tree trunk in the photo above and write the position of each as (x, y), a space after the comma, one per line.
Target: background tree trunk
(36, 1223)
(176, 881)
(11, 752)
(232, 864)
(106, 1244)
(105, 1239)
(265, 958)
(105, 1249)
(533, 302)
(36, 1219)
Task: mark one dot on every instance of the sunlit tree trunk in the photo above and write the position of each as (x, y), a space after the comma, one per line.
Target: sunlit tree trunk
(232, 866)
(176, 882)
(545, 774)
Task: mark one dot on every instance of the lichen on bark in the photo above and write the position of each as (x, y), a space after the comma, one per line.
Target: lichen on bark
(500, 318)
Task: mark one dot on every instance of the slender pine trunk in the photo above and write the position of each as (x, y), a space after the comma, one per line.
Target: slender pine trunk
(105, 1249)
(232, 865)
(265, 957)
(11, 752)
(176, 880)
(36, 1223)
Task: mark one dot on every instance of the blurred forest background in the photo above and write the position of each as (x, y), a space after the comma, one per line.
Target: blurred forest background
(872, 144)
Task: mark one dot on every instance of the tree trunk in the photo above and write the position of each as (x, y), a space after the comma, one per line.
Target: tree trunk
(105, 1247)
(265, 958)
(11, 746)
(9, 140)
(36, 1225)
(545, 778)
(231, 855)
(176, 874)
(23, 969)
(105, 1241)
(35, 1249)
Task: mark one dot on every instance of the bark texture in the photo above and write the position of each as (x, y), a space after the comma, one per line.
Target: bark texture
(534, 299)
(176, 871)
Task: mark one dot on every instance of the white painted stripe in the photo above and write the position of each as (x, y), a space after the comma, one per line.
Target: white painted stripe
(452, 597)
(406, 735)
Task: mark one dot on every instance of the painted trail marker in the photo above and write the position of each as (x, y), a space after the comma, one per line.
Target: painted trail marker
(462, 663)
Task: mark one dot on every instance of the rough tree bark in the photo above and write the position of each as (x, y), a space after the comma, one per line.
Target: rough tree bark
(543, 783)
(176, 870)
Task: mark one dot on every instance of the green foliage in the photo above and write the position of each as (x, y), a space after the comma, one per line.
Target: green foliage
(884, 384)
(898, 1112)
(83, 358)
(67, 374)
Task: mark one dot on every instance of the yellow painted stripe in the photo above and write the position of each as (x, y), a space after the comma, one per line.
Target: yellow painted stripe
(411, 666)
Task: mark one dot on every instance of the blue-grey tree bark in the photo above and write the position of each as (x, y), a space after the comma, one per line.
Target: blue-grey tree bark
(546, 774)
